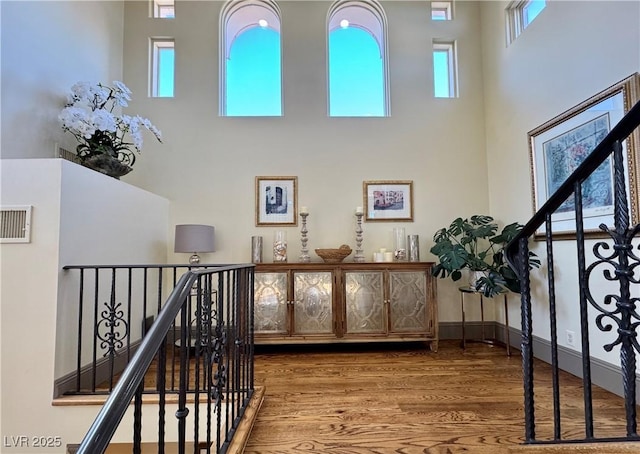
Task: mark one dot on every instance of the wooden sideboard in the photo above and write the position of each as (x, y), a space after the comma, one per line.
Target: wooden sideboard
(345, 302)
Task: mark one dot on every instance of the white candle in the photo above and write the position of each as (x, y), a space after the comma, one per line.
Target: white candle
(359, 210)
(304, 210)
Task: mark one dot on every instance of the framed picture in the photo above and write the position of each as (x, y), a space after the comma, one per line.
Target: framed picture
(557, 147)
(388, 200)
(276, 201)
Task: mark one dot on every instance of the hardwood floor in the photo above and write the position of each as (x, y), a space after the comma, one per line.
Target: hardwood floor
(402, 398)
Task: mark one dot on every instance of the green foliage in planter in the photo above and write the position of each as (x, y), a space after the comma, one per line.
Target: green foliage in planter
(475, 244)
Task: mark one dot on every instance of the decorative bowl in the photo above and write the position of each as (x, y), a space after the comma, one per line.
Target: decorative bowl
(334, 255)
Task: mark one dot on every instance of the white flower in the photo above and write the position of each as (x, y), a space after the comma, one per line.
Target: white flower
(89, 116)
(78, 121)
(104, 120)
(121, 93)
(79, 92)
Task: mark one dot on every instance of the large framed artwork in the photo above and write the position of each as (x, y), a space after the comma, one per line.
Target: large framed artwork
(276, 201)
(388, 200)
(560, 145)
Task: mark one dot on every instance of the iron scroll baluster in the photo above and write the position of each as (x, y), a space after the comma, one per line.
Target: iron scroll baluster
(624, 315)
(527, 341)
(111, 318)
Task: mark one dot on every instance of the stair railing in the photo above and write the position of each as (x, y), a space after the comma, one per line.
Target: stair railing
(220, 350)
(107, 311)
(614, 311)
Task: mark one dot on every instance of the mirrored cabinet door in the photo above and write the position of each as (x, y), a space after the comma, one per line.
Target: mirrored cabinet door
(364, 301)
(270, 303)
(313, 302)
(407, 301)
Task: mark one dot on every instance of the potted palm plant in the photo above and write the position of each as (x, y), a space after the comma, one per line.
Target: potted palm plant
(476, 244)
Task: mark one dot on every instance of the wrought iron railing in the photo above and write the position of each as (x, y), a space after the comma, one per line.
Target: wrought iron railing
(616, 310)
(211, 360)
(108, 309)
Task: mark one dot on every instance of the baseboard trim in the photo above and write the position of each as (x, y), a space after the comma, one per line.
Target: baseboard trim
(603, 374)
(68, 383)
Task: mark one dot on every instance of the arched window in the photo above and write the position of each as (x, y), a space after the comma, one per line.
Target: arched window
(357, 48)
(250, 64)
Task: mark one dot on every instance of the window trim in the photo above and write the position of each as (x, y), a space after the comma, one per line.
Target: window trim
(155, 45)
(376, 9)
(514, 19)
(156, 7)
(451, 48)
(446, 6)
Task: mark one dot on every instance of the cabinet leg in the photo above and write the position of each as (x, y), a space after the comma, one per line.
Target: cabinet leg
(463, 342)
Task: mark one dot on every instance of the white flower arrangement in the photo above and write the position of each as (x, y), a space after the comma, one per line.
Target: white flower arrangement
(89, 116)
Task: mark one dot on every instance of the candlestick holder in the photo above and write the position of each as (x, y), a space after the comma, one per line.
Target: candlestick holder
(359, 255)
(304, 252)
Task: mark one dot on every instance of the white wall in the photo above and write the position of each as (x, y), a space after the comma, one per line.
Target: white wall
(47, 46)
(570, 52)
(41, 57)
(207, 163)
(103, 222)
(131, 222)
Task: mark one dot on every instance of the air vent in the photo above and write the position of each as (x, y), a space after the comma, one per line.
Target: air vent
(15, 224)
(68, 155)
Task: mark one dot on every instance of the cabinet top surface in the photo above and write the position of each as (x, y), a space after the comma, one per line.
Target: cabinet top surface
(346, 265)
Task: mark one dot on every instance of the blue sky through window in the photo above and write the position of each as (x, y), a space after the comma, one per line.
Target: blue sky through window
(356, 87)
(441, 74)
(253, 82)
(532, 9)
(166, 65)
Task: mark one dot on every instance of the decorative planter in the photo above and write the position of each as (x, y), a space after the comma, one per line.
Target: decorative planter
(474, 276)
(108, 165)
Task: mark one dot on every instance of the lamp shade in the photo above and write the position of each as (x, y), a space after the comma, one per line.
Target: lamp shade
(194, 238)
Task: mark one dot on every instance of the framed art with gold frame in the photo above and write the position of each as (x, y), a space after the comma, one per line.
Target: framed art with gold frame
(388, 200)
(557, 147)
(276, 201)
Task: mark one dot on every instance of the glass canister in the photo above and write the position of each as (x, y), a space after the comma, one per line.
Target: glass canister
(280, 246)
(399, 244)
(413, 248)
(256, 249)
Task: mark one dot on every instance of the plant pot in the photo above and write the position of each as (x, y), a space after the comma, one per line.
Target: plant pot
(474, 277)
(107, 164)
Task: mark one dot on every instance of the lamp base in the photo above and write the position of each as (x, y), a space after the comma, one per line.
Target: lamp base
(194, 260)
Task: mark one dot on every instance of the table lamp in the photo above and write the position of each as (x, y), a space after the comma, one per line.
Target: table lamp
(194, 238)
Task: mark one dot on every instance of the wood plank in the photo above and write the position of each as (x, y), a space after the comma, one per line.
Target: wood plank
(392, 398)
(588, 448)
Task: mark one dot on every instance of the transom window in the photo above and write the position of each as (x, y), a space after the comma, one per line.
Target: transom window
(251, 79)
(162, 68)
(163, 9)
(441, 11)
(357, 48)
(520, 14)
(444, 70)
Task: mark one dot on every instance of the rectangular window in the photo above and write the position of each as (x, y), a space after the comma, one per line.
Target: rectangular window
(531, 10)
(441, 10)
(444, 70)
(162, 68)
(163, 9)
(519, 14)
